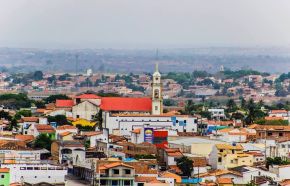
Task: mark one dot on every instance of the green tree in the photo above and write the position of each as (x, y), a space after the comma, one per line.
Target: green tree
(253, 112)
(99, 119)
(231, 106)
(38, 75)
(43, 141)
(185, 165)
(59, 119)
(53, 98)
(5, 115)
(13, 125)
(25, 113)
(15, 101)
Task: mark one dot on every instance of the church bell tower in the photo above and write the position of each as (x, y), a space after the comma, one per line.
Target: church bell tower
(157, 101)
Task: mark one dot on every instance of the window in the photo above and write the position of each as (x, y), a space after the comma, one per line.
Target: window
(232, 161)
(219, 159)
(280, 133)
(115, 182)
(78, 116)
(115, 171)
(283, 146)
(127, 171)
(22, 168)
(140, 184)
(288, 146)
(270, 134)
(156, 107)
(156, 93)
(48, 176)
(2, 176)
(127, 182)
(29, 168)
(233, 151)
(221, 150)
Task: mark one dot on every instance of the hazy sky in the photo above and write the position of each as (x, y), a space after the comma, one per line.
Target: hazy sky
(144, 23)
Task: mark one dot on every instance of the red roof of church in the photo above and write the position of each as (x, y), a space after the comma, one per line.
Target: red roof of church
(64, 103)
(88, 96)
(126, 104)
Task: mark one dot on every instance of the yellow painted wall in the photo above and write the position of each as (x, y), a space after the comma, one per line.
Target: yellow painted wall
(83, 122)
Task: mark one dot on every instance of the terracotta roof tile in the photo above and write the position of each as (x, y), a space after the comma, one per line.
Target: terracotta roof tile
(88, 96)
(30, 119)
(25, 138)
(65, 127)
(126, 104)
(65, 133)
(116, 164)
(229, 147)
(224, 180)
(91, 133)
(4, 170)
(145, 179)
(44, 128)
(64, 103)
(278, 111)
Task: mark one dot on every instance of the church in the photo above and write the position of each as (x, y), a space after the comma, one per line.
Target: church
(122, 116)
(139, 119)
(86, 106)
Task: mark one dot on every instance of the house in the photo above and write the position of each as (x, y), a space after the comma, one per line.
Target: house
(150, 181)
(65, 129)
(85, 110)
(43, 129)
(233, 135)
(279, 113)
(61, 151)
(131, 149)
(26, 122)
(4, 176)
(224, 182)
(88, 97)
(199, 165)
(96, 136)
(64, 104)
(24, 138)
(282, 171)
(18, 152)
(250, 174)
(217, 114)
(65, 136)
(171, 155)
(271, 131)
(117, 173)
(212, 176)
(123, 124)
(170, 178)
(35, 174)
(224, 156)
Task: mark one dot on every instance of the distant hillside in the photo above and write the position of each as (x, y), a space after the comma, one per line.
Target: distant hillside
(273, 60)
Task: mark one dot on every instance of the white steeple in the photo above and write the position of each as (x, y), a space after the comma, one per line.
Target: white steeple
(157, 101)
